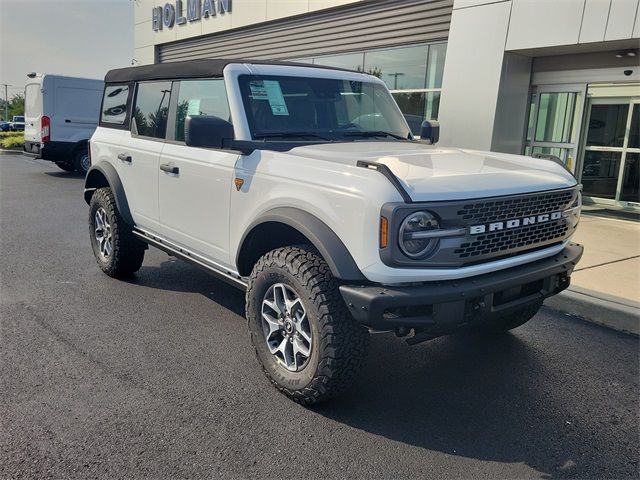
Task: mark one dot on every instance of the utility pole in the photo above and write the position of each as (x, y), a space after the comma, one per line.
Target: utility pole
(395, 78)
(6, 101)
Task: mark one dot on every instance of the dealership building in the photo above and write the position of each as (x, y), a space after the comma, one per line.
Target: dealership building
(554, 77)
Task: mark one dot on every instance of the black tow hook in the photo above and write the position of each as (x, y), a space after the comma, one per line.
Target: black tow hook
(418, 336)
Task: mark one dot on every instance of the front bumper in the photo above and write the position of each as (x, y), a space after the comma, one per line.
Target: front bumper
(445, 306)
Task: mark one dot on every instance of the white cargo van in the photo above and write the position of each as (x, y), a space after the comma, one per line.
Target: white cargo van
(61, 114)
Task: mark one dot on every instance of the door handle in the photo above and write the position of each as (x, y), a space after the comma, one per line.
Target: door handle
(67, 121)
(165, 167)
(125, 158)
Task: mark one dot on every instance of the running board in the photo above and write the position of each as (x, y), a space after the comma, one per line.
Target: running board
(192, 258)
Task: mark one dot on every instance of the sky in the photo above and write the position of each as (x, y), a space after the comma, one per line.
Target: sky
(80, 38)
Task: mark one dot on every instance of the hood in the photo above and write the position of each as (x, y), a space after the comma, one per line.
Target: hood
(431, 173)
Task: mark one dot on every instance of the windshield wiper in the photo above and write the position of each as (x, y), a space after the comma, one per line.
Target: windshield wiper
(290, 135)
(374, 133)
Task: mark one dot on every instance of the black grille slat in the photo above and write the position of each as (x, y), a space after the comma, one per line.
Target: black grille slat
(498, 210)
(520, 239)
(502, 241)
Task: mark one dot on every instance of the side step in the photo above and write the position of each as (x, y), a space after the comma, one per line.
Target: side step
(194, 259)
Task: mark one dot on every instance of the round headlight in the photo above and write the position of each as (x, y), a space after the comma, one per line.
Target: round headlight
(414, 239)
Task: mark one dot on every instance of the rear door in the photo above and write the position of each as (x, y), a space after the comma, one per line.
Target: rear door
(76, 109)
(138, 159)
(33, 110)
(194, 201)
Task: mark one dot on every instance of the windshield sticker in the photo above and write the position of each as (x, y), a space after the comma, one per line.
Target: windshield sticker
(275, 97)
(258, 92)
(194, 107)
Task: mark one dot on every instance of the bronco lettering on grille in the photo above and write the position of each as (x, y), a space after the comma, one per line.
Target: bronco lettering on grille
(514, 223)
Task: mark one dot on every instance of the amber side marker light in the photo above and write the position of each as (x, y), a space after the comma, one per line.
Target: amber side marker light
(384, 232)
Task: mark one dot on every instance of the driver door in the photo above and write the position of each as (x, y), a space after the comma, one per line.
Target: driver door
(195, 183)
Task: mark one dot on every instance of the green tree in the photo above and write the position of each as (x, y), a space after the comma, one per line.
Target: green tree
(16, 105)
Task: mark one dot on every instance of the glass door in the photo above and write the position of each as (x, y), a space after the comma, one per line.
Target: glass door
(611, 158)
(555, 113)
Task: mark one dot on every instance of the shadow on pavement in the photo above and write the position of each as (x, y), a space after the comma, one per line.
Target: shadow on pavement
(484, 397)
(63, 174)
(178, 276)
(492, 398)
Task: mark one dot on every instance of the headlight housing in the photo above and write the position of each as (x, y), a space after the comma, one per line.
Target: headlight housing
(416, 239)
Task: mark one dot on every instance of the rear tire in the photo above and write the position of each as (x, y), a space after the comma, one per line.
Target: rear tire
(67, 167)
(327, 345)
(118, 252)
(513, 320)
(81, 162)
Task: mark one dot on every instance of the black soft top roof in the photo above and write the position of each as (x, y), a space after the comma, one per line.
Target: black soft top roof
(189, 69)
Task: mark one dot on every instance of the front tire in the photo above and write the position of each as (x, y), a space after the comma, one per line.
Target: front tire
(309, 346)
(117, 251)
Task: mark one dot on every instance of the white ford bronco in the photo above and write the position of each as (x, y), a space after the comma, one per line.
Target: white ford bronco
(304, 186)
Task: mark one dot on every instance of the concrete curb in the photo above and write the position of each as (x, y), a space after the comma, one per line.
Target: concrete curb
(613, 312)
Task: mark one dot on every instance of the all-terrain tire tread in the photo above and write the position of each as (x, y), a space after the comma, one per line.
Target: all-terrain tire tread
(343, 340)
(128, 251)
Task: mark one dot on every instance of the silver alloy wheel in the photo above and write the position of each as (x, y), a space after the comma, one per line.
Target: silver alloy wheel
(103, 233)
(286, 327)
(85, 163)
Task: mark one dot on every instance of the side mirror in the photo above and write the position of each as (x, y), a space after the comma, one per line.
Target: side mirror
(430, 130)
(207, 131)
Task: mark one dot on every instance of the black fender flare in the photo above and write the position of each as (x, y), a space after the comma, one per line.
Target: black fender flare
(335, 253)
(103, 172)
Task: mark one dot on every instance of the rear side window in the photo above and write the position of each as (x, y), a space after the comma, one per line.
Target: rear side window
(114, 104)
(200, 97)
(32, 95)
(152, 109)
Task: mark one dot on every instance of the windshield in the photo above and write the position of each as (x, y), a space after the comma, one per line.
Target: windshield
(319, 108)
(18, 119)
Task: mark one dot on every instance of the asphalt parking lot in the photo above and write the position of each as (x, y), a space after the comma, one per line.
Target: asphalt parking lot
(155, 377)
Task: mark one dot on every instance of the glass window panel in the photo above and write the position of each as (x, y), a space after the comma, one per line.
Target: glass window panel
(435, 68)
(556, 114)
(114, 104)
(631, 178)
(634, 132)
(607, 125)
(417, 107)
(152, 108)
(432, 106)
(350, 61)
(532, 112)
(279, 105)
(400, 68)
(201, 97)
(561, 153)
(600, 173)
(412, 106)
(303, 60)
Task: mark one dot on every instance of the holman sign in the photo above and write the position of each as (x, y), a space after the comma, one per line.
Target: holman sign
(174, 14)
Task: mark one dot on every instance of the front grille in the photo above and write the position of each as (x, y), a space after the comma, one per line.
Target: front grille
(496, 241)
(508, 208)
(505, 240)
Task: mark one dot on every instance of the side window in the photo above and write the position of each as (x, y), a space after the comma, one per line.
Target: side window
(152, 108)
(200, 97)
(114, 104)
